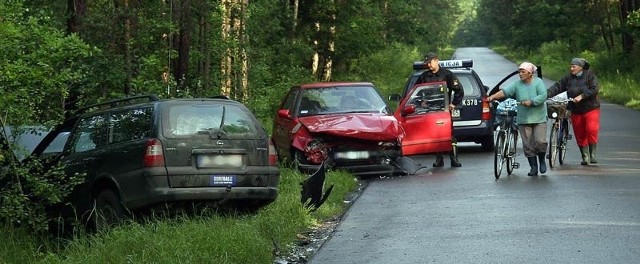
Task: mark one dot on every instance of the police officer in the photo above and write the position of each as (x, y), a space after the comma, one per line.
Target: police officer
(436, 74)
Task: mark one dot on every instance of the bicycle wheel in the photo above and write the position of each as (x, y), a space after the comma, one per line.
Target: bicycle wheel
(563, 138)
(498, 156)
(553, 145)
(511, 156)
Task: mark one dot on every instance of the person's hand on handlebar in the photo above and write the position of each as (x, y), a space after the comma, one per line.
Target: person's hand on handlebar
(526, 103)
(577, 99)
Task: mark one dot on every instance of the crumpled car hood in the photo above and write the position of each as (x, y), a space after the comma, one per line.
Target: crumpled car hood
(365, 126)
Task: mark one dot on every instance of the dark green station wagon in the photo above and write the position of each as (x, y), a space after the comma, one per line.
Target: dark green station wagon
(139, 152)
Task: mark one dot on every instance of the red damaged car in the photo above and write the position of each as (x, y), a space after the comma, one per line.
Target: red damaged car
(347, 125)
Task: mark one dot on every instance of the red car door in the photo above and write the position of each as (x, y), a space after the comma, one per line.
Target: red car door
(425, 118)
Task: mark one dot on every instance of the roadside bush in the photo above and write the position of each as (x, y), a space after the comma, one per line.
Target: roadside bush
(41, 66)
(28, 190)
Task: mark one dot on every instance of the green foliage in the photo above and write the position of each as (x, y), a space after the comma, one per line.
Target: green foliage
(617, 77)
(277, 61)
(526, 25)
(28, 190)
(633, 24)
(357, 33)
(397, 60)
(39, 66)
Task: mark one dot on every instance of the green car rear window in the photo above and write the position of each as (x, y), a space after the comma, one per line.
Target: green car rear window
(214, 120)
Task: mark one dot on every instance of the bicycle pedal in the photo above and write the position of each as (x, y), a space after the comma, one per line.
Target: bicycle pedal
(515, 165)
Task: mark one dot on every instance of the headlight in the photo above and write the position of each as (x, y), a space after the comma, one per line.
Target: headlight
(387, 144)
(554, 114)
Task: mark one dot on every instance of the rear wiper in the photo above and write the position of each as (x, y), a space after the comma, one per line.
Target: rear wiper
(221, 133)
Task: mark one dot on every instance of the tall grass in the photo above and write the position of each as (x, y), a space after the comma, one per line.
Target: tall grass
(621, 89)
(203, 238)
(19, 246)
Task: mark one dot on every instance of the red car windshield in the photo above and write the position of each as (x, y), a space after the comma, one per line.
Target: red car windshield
(348, 99)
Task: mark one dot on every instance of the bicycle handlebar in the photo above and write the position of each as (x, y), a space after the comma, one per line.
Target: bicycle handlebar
(561, 100)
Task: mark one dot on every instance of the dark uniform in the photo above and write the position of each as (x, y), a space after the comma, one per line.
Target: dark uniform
(453, 87)
(444, 75)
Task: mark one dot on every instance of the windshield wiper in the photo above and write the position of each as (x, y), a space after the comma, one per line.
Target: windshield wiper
(221, 133)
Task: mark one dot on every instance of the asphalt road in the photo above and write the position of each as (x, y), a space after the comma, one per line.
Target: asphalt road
(572, 214)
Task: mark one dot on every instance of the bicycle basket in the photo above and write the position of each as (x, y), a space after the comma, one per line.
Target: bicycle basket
(559, 109)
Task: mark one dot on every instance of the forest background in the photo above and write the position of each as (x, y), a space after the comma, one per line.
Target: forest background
(57, 56)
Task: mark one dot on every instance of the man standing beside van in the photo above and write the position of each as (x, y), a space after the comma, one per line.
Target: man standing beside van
(436, 74)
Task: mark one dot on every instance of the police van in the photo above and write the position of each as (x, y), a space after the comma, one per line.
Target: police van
(472, 121)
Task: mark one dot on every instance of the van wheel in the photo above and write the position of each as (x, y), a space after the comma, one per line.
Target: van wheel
(109, 210)
(487, 144)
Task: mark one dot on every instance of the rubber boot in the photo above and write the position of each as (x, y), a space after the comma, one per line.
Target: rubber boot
(592, 152)
(533, 162)
(543, 165)
(439, 161)
(454, 161)
(584, 151)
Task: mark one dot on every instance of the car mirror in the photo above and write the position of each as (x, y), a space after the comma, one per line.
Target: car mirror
(284, 113)
(409, 109)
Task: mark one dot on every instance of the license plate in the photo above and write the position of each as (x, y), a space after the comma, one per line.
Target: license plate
(222, 180)
(455, 113)
(209, 161)
(352, 155)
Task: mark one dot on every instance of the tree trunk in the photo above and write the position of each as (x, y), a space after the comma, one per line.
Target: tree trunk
(204, 64)
(76, 10)
(626, 7)
(385, 12)
(331, 48)
(235, 65)
(608, 35)
(127, 48)
(296, 7)
(315, 60)
(243, 40)
(225, 63)
(182, 43)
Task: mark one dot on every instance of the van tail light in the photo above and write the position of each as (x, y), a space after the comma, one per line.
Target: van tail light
(273, 157)
(486, 111)
(153, 154)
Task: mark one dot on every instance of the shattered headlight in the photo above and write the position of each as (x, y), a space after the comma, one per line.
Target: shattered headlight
(387, 144)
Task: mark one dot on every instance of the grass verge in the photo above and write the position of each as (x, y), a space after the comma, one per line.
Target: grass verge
(203, 238)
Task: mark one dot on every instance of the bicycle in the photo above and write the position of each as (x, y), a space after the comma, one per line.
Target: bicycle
(559, 135)
(506, 143)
